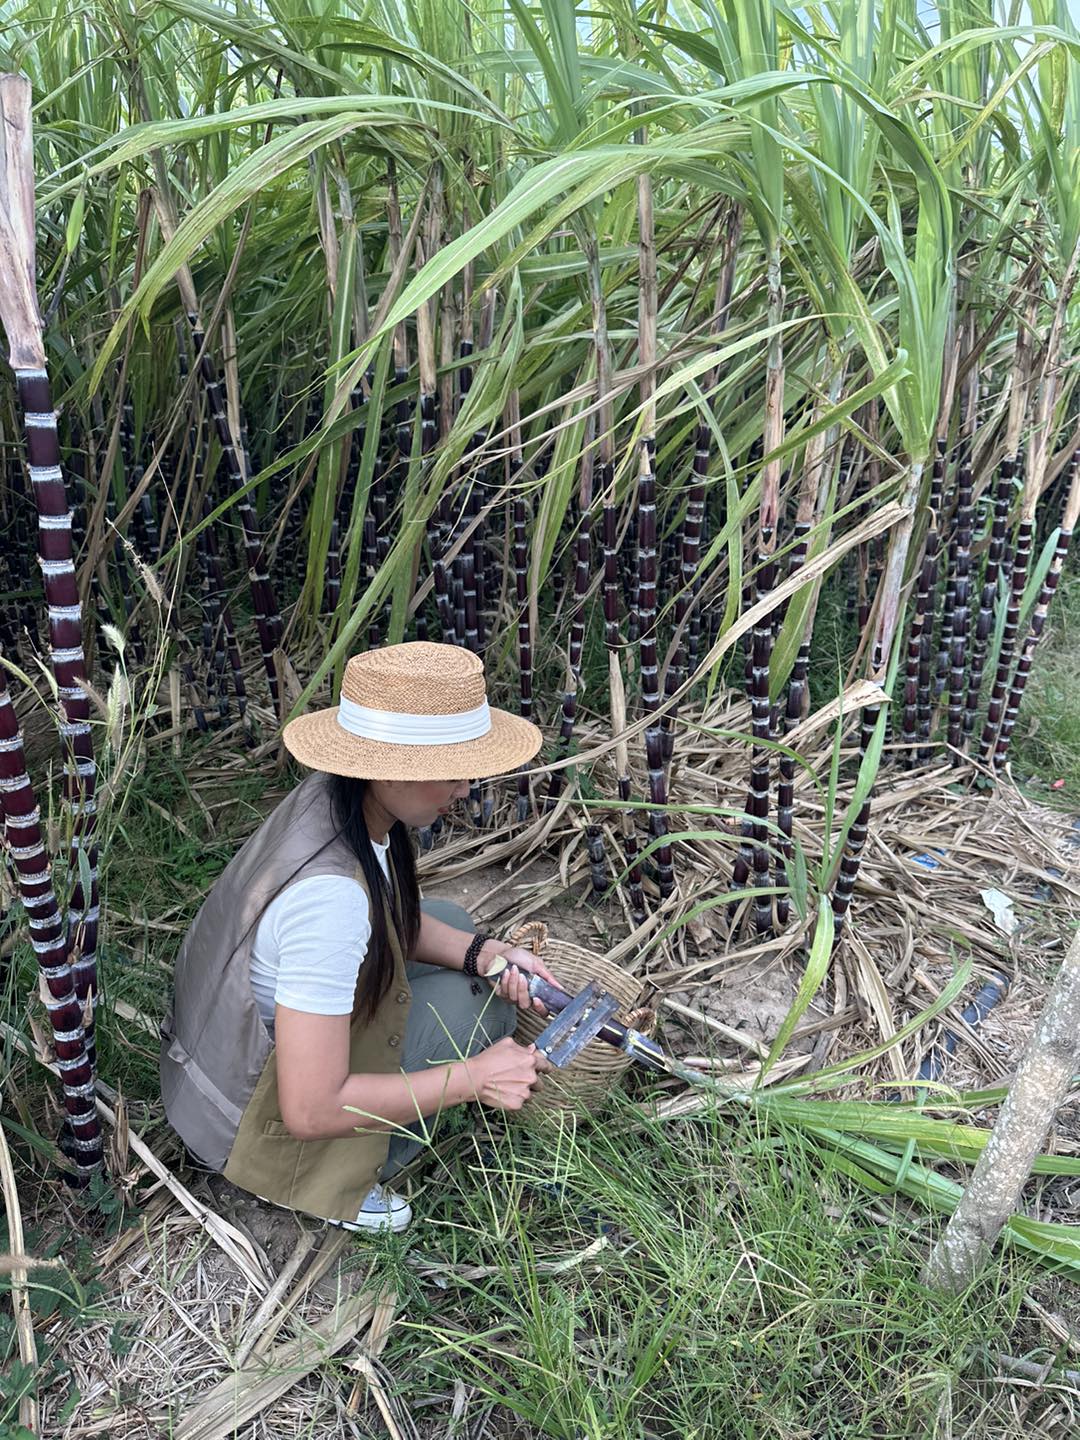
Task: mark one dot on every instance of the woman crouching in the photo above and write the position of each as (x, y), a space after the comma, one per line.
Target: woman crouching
(323, 1013)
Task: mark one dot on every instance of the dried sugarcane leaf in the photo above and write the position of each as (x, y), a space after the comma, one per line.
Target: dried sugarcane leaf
(241, 1397)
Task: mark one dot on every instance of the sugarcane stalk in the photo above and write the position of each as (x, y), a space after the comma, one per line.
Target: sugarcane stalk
(995, 553)
(948, 603)
(646, 537)
(693, 528)
(521, 596)
(1042, 606)
(917, 702)
(889, 606)
(1015, 568)
(616, 689)
(594, 843)
(814, 461)
(582, 575)
(768, 519)
(961, 587)
(50, 937)
(67, 951)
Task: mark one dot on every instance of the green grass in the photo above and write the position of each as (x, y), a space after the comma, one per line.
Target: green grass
(1046, 742)
(741, 1291)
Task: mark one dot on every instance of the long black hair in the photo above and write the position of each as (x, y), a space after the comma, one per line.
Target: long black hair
(402, 897)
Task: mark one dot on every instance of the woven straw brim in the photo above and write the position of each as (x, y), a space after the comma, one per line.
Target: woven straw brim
(318, 741)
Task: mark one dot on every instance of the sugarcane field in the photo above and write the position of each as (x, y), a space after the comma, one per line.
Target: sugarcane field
(539, 720)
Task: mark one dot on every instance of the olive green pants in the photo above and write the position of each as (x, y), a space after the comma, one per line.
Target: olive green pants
(451, 1017)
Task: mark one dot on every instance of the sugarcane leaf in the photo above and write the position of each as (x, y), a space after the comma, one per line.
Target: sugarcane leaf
(817, 965)
(86, 879)
(840, 1070)
(1038, 574)
(247, 179)
(798, 881)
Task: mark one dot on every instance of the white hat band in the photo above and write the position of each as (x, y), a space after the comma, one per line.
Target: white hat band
(397, 727)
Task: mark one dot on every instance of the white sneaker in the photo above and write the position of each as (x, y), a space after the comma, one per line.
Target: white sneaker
(381, 1209)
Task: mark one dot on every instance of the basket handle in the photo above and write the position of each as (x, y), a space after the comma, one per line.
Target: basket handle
(533, 933)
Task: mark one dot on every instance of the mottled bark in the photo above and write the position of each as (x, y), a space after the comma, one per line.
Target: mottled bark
(993, 1193)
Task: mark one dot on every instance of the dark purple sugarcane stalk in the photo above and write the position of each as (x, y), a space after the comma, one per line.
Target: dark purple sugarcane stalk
(995, 554)
(917, 698)
(616, 689)
(887, 613)
(650, 670)
(49, 936)
(268, 622)
(692, 529)
(582, 576)
(598, 873)
(948, 604)
(521, 597)
(226, 646)
(646, 608)
(1029, 484)
(68, 664)
(1038, 618)
(961, 602)
(332, 588)
(66, 947)
(844, 888)
(1021, 564)
(793, 704)
(762, 641)
(761, 716)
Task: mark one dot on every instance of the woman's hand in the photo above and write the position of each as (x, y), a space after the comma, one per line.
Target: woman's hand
(504, 1074)
(513, 983)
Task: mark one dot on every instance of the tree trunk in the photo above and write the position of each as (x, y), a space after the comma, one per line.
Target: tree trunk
(1041, 1082)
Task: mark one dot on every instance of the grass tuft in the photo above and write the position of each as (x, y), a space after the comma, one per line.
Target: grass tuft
(638, 1279)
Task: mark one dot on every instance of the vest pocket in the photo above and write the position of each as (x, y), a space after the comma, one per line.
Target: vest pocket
(277, 1130)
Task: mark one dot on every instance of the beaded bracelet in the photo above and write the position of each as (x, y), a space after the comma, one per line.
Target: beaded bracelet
(472, 954)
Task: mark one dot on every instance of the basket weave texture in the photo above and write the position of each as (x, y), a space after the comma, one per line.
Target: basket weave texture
(579, 1085)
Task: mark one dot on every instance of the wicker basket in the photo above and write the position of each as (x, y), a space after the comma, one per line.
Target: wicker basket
(579, 1085)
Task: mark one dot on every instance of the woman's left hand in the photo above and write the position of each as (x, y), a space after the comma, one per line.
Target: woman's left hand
(513, 983)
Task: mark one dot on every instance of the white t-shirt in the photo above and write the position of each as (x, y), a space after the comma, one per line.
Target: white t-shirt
(310, 944)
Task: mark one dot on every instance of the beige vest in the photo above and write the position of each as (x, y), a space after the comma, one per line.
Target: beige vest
(218, 1065)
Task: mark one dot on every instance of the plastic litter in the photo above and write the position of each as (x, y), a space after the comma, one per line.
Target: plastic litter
(927, 861)
(1042, 890)
(993, 991)
(1000, 906)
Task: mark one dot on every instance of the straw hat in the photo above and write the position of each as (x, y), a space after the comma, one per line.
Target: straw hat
(413, 712)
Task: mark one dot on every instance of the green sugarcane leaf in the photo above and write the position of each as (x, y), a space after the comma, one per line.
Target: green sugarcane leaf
(1038, 575)
(840, 1070)
(240, 184)
(329, 471)
(86, 876)
(798, 880)
(817, 965)
(354, 540)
